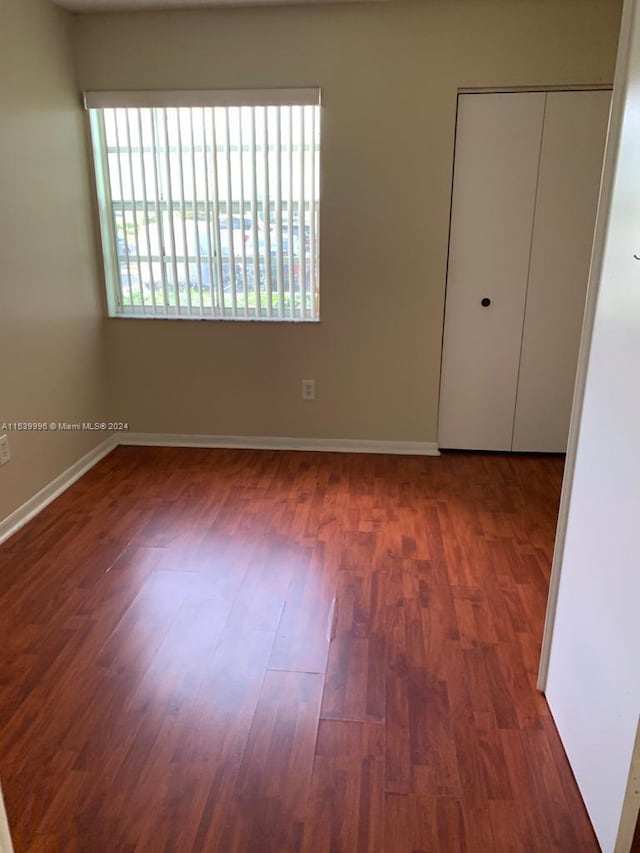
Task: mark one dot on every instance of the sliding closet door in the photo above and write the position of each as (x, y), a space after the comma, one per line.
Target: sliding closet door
(496, 168)
(573, 140)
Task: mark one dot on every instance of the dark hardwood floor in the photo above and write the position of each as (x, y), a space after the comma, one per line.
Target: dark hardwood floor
(266, 652)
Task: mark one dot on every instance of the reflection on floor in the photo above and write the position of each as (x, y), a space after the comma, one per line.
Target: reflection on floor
(267, 651)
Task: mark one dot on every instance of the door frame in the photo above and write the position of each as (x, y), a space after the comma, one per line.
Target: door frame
(628, 820)
(593, 287)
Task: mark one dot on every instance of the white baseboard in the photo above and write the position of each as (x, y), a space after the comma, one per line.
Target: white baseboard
(12, 523)
(259, 442)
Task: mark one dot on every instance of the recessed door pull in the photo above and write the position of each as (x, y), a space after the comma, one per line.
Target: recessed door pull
(486, 301)
(637, 257)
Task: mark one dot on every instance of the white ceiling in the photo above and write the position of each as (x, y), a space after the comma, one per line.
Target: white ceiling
(132, 5)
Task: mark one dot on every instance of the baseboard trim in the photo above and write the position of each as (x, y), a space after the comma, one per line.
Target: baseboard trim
(260, 442)
(19, 517)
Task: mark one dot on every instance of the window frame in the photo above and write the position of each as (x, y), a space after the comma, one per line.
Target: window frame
(263, 310)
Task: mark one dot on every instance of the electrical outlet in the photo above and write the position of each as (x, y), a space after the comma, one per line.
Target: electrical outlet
(308, 389)
(5, 453)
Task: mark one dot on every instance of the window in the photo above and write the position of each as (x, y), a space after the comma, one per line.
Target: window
(209, 202)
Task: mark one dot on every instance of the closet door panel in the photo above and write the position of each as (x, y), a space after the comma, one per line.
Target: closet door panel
(573, 141)
(496, 167)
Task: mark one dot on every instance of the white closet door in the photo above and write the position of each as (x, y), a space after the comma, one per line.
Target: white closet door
(575, 128)
(496, 168)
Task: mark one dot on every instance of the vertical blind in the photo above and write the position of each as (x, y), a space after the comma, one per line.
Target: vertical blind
(209, 208)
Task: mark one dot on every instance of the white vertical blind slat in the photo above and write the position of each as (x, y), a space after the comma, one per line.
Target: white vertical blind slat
(207, 209)
(278, 157)
(145, 205)
(127, 114)
(313, 248)
(216, 215)
(230, 228)
(243, 248)
(267, 272)
(172, 234)
(292, 282)
(183, 218)
(196, 210)
(302, 247)
(122, 210)
(254, 214)
(266, 214)
(156, 160)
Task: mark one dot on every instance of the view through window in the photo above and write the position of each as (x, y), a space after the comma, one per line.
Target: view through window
(209, 211)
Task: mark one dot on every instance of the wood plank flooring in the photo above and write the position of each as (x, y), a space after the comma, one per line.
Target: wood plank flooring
(269, 652)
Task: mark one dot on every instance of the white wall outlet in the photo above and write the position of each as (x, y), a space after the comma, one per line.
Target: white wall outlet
(5, 453)
(308, 389)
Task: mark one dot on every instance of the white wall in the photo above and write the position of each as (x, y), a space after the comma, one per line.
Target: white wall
(6, 845)
(593, 684)
(51, 319)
